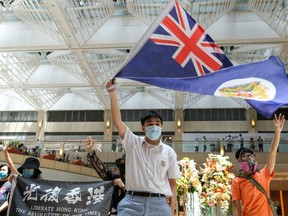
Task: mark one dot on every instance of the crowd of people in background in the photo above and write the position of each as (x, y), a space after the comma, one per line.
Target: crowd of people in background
(67, 157)
(230, 143)
(23, 150)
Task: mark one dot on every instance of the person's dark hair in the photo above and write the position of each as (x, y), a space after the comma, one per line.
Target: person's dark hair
(9, 171)
(118, 161)
(21, 145)
(241, 151)
(150, 114)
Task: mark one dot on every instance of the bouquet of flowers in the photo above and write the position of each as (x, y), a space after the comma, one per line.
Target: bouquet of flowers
(216, 180)
(189, 181)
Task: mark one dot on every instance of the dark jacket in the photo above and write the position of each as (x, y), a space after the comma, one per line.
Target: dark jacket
(106, 174)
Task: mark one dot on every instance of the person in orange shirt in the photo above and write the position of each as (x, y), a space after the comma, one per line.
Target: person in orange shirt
(247, 199)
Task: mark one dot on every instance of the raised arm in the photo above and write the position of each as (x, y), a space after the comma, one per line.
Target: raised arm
(97, 164)
(8, 158)
(278, 127)
(115, 110)
(89, 145)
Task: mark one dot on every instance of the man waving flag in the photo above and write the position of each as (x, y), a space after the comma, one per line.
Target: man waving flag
(176, 53)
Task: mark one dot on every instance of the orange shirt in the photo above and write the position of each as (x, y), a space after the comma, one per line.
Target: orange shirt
(254, 202)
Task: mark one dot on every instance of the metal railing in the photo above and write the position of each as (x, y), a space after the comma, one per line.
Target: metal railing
(76, 148)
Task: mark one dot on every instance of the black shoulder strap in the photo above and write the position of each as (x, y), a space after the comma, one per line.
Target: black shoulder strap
(259, 187)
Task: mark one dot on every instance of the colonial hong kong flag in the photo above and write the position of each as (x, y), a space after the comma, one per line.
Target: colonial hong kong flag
(177, 47)
(176, 53)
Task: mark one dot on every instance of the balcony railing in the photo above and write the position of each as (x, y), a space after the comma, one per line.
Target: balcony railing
(68, 151)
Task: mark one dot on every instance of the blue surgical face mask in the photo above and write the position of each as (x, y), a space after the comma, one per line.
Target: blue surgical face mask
(153, 132)
(3, 174)
(28, 173)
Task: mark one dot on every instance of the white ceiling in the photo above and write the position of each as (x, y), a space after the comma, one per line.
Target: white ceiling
(58, 54)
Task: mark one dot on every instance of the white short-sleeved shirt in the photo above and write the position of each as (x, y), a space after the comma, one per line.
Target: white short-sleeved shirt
(148, 167)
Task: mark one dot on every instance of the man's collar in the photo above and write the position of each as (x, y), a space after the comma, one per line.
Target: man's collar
(160, 144)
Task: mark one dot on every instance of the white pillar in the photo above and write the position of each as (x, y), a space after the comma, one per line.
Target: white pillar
(41, 125)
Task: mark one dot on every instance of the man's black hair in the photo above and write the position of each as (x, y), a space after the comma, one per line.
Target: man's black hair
(150, 114)
(242, 150)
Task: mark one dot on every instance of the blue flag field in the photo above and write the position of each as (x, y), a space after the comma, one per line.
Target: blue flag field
(176, 53)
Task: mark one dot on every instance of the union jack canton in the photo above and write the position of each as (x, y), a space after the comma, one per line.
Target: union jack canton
(192, 42)
(174, 46)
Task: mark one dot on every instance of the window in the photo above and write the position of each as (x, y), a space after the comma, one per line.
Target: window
(214, 115)
(76, 116)
(18, 116)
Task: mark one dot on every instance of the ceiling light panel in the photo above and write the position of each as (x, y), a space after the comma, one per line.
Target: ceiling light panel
(146, 10)
(86, 17)
(45, 97)
(190, 99)
(256, 54)
(13, 95)
(16, 68)
(89, 95)
(207, 12)
(68, 61)
(124, 94)
(165, 96)
(105, 63)
(37, 14)
(274, 13)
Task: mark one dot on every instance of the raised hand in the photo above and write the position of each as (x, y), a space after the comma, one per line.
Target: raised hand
(6, 145)
(119, 182)
(89, 145)
(279, 122)
(111, 85)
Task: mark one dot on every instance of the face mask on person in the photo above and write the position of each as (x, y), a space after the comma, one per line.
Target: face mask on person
(3, 174)
(153, 132)
(28, 173)
(249, 165)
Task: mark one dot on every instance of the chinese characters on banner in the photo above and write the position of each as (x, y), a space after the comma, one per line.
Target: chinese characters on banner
(58, 198)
